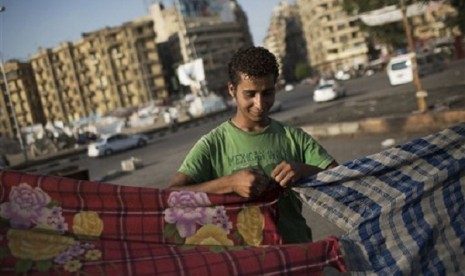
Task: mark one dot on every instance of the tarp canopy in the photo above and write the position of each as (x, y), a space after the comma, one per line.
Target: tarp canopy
(392, 13)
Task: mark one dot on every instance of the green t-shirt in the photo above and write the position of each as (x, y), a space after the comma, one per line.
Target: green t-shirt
(228, 149)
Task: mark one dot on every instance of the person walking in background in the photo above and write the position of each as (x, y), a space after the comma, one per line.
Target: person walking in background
(251, 153)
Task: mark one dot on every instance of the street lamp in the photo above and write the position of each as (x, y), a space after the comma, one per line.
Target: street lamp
(7, 89)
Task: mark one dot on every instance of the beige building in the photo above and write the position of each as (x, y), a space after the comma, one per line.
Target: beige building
(285, 40)
(115, 67)
(334, 41)
(275, 39)
(430, 28)
(25, 103)
(211, 38)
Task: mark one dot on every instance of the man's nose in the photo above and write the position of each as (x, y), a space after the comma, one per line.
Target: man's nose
(259, 99)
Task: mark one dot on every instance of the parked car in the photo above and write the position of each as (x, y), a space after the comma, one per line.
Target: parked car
(109, 144)
(342, 75)
(328, 90)
(288, 87)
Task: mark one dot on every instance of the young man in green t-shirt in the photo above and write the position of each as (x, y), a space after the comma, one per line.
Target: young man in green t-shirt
(250, 151)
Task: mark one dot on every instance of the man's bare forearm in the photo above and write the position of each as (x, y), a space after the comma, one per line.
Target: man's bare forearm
(221, 185)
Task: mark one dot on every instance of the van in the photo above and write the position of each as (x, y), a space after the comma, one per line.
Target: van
(399, 68)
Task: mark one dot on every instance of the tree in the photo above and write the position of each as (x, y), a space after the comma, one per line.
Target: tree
(302, 71)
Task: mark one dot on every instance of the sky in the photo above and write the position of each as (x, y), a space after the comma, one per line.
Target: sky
(26, 25)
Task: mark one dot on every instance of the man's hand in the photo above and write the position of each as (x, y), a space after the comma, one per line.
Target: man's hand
(286, 173)
(249, 182)
(246, 183)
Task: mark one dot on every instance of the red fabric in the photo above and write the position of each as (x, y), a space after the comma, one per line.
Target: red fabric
(113, 229)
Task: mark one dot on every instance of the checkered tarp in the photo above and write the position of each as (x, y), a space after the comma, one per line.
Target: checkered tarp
(403, 208)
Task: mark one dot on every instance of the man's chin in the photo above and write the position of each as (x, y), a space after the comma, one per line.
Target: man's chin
(259, 118)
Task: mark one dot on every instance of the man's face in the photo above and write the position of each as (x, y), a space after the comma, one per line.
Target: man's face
(254, 97)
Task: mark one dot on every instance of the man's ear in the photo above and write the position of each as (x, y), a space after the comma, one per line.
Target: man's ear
(232, 90)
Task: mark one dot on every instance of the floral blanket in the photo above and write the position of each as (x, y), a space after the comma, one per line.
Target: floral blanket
(60, 225)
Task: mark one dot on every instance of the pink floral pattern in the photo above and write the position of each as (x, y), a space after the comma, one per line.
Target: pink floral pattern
(25, 207)
(191, 218)
(186, 213)
(31, 208)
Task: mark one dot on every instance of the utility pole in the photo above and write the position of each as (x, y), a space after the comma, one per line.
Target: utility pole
(420, 94)
(12, 108)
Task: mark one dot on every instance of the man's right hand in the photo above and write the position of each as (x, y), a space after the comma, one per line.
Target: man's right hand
(249, 182)
(245, 183)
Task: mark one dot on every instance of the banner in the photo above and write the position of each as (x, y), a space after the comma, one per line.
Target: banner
(192, 73)
(206, 8)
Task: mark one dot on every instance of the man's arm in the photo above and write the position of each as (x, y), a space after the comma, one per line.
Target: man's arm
(246, 183)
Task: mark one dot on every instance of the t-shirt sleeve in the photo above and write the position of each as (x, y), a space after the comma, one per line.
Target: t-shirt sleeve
(314, 153)
(197, 163)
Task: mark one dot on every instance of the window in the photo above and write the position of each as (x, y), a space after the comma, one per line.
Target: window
(343, 39)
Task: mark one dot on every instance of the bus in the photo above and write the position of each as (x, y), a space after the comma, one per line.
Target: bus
(400, 71)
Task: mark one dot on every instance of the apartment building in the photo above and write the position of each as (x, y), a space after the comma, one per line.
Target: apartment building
(25, 106)
(334, 41)
(285, 40)
(211, 37)
(111, 68)
(430, 28)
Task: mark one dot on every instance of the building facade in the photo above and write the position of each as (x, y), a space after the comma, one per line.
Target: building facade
(430, 29)
(115, 67)
(210, 37)
(285, 40)
(25, 106)
(334, 40)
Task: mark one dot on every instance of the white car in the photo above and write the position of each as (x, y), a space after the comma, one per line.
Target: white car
(341, 75)
(327, 91)
(109, 144)
(288, 87)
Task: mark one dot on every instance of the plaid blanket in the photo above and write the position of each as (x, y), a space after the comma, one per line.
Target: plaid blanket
(403, 208)
(65, 226)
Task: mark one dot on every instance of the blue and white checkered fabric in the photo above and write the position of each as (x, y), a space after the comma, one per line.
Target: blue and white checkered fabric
(404, 208)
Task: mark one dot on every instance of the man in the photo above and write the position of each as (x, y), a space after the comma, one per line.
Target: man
(248, 153)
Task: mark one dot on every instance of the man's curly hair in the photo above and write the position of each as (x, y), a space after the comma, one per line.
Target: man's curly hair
(253, 62)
